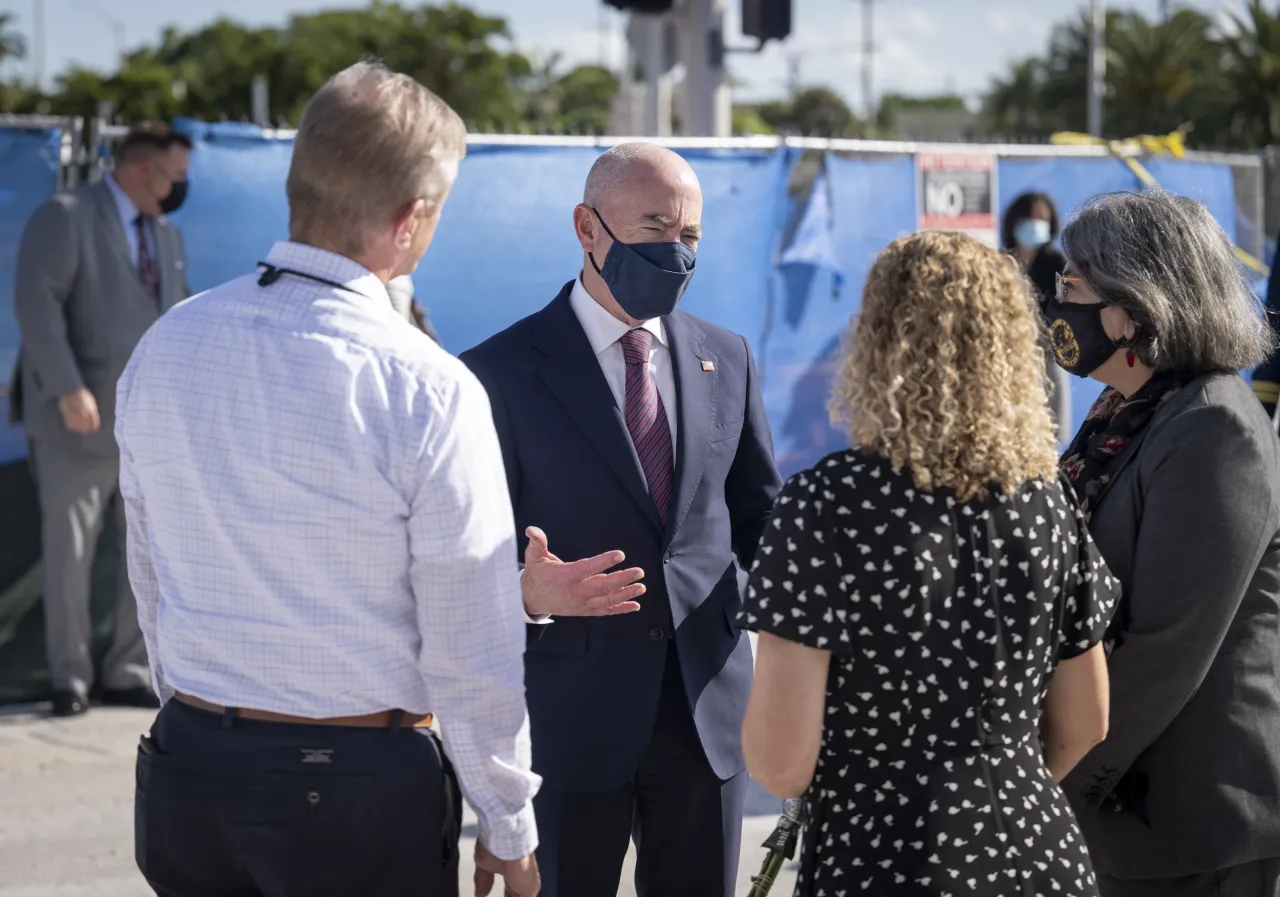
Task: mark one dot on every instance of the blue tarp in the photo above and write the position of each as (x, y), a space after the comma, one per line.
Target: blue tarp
(28, 176)
(505, 245)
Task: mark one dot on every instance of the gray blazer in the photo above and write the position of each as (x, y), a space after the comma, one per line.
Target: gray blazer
(1191, 527)
(82, 310)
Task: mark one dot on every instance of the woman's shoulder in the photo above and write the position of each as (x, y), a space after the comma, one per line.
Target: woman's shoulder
(845, 470)
(1216, 407)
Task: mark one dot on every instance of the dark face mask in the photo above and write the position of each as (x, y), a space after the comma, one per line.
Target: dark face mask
(177, 195)
(1077, 336)
(647, 279)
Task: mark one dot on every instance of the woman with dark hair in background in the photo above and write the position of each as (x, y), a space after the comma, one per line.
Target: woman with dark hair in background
(1029, 228)
(1178, 470)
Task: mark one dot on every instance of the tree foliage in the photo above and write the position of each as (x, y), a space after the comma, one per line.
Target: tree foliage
(1220, 84)
(466, 57)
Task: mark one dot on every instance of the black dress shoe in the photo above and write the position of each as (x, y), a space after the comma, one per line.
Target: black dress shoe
(130, 697)
(70, 702)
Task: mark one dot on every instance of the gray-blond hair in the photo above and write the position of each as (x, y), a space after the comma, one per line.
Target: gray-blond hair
(1166, 261)
(370, 143)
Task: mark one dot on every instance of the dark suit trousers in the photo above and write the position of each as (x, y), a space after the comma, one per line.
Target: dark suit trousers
(258, 809)
(686, 821)
(1260, 878)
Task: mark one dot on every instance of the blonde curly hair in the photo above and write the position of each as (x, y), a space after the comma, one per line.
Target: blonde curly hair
(943, 371)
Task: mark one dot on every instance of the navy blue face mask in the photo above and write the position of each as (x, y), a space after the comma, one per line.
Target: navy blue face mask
(647, 279)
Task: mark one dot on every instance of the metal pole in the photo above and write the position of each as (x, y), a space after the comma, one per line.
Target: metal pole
(657, 97)
(37, 42)
(1164, 10)
(1097, 64)
(868, 52)
(706, 107)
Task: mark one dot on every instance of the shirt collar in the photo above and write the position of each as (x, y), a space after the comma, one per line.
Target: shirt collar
(602, 328)
(124, 205)
(331, 266)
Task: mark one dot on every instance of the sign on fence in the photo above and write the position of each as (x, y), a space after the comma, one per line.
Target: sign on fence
(958, 192)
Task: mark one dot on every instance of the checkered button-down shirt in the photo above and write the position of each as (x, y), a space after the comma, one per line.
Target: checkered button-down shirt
(319, 522)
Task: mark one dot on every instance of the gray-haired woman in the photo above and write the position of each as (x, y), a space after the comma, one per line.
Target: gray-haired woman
(1178, 470)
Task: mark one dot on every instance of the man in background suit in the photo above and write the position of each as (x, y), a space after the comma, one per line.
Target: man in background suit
(97, 266)
(626, 425)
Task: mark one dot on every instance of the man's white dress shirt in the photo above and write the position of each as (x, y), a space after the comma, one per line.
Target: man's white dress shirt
(603, 332)
(129, 213)
(319, 524)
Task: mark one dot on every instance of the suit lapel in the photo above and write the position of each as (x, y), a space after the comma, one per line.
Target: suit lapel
(697, 386)
(114, 226)
(572, 373)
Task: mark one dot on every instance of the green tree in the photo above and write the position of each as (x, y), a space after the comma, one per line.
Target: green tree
(893, 104)
(812, 112)
(1251, 62)
(1014, 106)
(584, 98)
(465, 57)
(12, 44)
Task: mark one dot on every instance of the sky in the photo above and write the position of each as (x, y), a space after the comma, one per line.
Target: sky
(923, 46)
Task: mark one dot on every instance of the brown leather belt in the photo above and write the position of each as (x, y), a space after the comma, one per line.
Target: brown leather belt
(380, 720)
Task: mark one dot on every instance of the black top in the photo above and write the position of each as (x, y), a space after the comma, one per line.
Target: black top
(1044, 270)
(1189, 523)
(945, 620)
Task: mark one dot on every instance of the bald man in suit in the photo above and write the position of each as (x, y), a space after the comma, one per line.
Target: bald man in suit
(628, 425)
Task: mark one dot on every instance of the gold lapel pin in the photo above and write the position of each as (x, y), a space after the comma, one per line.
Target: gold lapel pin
(709, 366)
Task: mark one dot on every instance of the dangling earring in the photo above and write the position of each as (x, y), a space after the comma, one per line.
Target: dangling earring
(1130, 357)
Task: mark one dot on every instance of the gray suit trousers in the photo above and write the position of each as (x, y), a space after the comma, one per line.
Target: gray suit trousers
(76, 492)
(1260, 878)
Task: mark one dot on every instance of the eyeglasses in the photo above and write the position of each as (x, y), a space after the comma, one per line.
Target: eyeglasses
(1063, 286)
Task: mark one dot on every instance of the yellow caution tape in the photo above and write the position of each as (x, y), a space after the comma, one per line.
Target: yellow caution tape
(1125, 150)
(1268, 393)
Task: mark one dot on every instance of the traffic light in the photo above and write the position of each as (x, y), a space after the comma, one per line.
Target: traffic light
(652, 7)
(766, 20)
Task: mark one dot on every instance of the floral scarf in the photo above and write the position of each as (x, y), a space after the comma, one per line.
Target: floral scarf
(1111, 425)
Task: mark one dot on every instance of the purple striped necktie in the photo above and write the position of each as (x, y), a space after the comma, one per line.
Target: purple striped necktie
(647, 421)
(147, 272)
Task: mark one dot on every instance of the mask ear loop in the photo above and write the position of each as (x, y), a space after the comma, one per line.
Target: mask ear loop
(591, 255)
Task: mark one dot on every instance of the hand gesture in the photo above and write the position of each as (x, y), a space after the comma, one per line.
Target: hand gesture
(580, 589)
(80, 411)
(520, 877)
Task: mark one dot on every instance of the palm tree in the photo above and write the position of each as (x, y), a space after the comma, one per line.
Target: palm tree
(1251, 51)
(1014, 106)
(1161, 74)
(12, 44)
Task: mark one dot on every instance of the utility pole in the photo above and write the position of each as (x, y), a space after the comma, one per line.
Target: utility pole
(37, 43)
(1097, 65)
(706, 109)
(1164, 10)
(868, 53)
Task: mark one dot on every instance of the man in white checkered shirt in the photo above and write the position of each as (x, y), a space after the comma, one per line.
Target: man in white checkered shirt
(321, 542)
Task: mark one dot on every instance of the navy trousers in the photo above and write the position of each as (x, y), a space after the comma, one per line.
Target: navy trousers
(686, 822)
(241, 808)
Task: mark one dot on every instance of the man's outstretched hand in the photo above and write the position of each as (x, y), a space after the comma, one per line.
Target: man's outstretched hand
(579, 589)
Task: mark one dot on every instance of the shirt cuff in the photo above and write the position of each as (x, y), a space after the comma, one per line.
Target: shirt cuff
(510, 837)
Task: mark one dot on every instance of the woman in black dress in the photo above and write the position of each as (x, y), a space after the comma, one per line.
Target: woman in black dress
(920, 595)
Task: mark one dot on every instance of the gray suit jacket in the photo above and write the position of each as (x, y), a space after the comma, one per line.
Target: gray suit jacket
(1191, 527)
(82, 309)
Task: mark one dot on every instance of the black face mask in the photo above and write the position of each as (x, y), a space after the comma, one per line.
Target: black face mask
(647, 279)
(1077, 336)
(177, 195)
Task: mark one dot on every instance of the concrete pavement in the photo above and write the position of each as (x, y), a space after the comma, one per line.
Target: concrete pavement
(66, 809)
